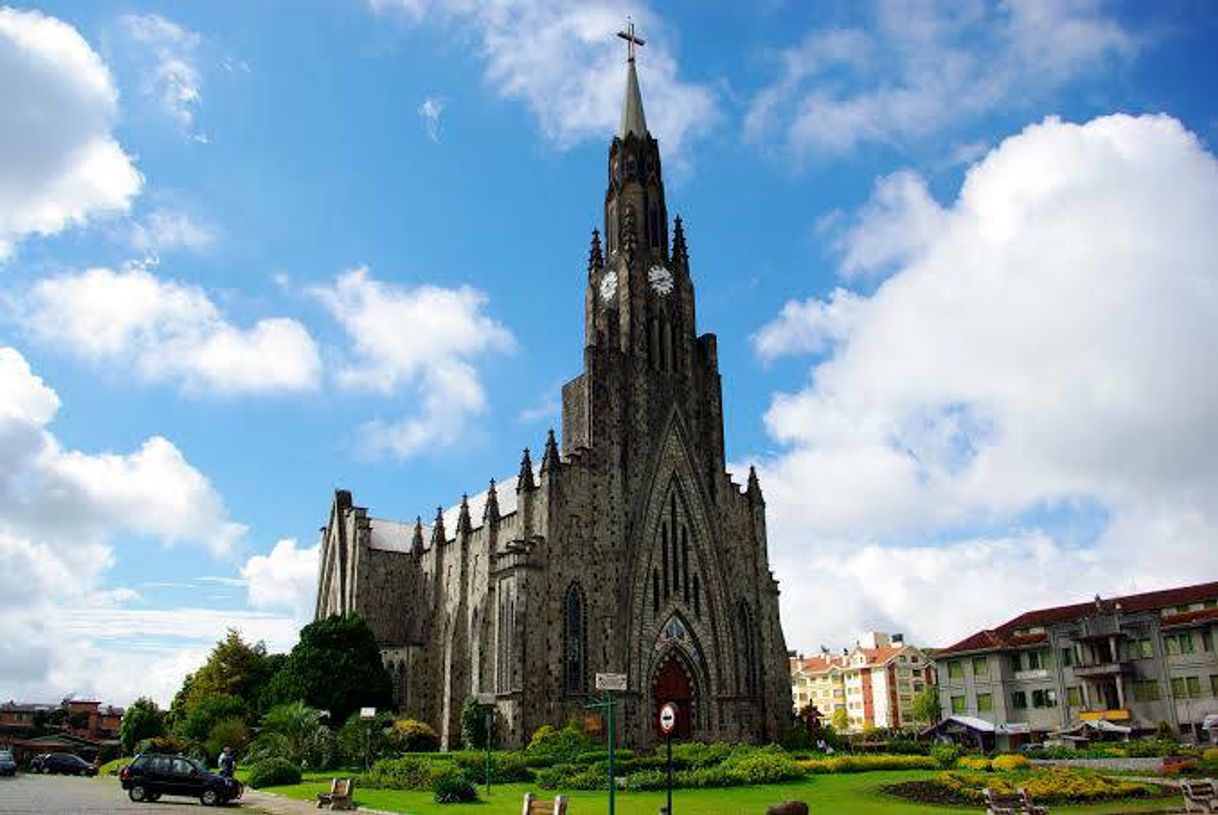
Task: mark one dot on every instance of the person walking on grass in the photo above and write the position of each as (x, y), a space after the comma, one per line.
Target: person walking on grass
(228, 763)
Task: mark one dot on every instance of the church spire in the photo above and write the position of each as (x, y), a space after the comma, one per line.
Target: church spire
(633, 120)
(596, 259)
(416, 542)
(549, 459)
(680, 254)
(490, 513)
(438, 536)
(525, 480)
(464, 523)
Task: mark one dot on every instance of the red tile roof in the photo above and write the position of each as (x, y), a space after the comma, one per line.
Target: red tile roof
(1004, 636)
(1188, 617)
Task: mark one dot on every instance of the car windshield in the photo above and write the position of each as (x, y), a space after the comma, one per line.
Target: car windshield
(5, 754)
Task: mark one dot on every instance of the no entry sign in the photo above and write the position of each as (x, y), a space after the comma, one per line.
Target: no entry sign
(668, 719)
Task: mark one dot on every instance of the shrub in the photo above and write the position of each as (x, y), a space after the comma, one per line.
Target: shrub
(863, 764)
(413, 736)
(405, 773)
(646, 780)
(274, 772)
(506, 768)
(565, 744)
(1009, 762)
(945, 755)
(474, 731)
(975, 763)
(694, 754)
(762, 765)
(452, 787)
(1210, 755)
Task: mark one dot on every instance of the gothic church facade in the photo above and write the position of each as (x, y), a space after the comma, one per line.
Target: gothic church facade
(628, 549)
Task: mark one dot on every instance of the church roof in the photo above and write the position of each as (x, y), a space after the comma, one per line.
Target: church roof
(633, 120)
(396, 536)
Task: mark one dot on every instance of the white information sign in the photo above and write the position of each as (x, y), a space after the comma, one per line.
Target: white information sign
(668, 719)
(611, 682)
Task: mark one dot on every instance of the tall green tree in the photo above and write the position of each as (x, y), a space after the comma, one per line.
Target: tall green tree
(141, 720)
(926, 708)
(335, 667)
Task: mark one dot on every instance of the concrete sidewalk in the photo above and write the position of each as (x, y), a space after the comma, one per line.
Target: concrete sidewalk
(279, 805)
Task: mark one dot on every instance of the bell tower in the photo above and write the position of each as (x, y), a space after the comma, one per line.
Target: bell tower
(640, 299)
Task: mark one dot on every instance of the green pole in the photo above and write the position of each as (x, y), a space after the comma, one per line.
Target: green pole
(612, 782)
(487, 718)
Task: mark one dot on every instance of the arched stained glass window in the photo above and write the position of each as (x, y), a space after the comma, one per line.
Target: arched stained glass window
(574, 640)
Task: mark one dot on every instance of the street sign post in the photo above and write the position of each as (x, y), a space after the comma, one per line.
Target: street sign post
(610, 683)
(668, 723)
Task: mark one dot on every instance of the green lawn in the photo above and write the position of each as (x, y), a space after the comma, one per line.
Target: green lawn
(855, 794)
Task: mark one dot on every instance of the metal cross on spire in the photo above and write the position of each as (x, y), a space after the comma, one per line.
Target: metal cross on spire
(631, 40)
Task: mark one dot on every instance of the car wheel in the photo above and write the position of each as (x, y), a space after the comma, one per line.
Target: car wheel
(138, 793)
(45, 770)
(209, 798)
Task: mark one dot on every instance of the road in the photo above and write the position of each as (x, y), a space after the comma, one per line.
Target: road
(69, 795)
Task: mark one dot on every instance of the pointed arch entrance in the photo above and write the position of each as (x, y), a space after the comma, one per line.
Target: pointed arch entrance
(675, 677)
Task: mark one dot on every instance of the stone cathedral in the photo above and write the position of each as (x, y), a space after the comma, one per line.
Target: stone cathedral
(627, 549)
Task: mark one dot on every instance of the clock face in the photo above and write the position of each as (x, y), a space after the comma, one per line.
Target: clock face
(660, 278)
(608, 287)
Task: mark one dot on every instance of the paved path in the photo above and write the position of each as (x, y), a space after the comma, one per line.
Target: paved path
(69, 795)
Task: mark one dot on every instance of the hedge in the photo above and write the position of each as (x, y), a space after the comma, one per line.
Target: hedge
(867, 763)
(273, 772)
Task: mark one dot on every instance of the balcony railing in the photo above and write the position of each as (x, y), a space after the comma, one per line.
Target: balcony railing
(1099, 669)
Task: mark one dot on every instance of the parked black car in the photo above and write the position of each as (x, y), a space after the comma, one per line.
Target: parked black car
(151, 775)
(66, 763)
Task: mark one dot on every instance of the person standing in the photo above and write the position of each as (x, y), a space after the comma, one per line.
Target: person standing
(228, 763)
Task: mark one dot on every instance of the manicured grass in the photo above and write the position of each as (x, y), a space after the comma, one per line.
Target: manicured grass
(856, 794)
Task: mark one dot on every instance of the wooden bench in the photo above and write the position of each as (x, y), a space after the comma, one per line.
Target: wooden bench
(536, 806)
(339, 796)
(1012, 803)
(1200, 794)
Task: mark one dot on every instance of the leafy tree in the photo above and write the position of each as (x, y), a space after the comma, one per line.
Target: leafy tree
(473, 725)
(841, 720)
(336, 667)
(231, 732)
(203, 712)
(142, 720)
(358, 740)
(926, 706)
(233, 668)
(294, 732)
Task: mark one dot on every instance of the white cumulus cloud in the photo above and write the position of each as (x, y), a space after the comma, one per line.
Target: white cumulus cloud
(1040, 357)
(61, 162)
(62, 511)
(562, 60)
(424, 340)
(170, 331)
(171, 72)
(916, 69)
(284, 578)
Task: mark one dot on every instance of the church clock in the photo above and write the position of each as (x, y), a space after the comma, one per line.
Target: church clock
(608, 286)
(660, 278)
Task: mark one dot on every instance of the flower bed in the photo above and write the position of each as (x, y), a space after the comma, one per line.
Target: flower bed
(1053, 786)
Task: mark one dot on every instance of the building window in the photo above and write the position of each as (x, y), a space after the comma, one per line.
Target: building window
(1039, 660)
(1067, 657)
(1213, 684)
(1044, 698)
(1146, 690)
(985, 702)
(1207, 639)
(1186, 687)
(955, 669)
(1074, 696)
(1019, 700)
(958, 704)
(748, 650)
(574, 637)
(1140, 648)
(1016, 663)
(981, 666)
(1177, 644)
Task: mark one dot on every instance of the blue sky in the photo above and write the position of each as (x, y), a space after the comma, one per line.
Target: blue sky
(958, 257)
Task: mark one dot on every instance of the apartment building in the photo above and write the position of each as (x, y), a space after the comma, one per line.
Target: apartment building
(1109, 667)
(874, 683)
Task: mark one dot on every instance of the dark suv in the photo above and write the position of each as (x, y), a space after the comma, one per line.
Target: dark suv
(149, 776)
(66, 763)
